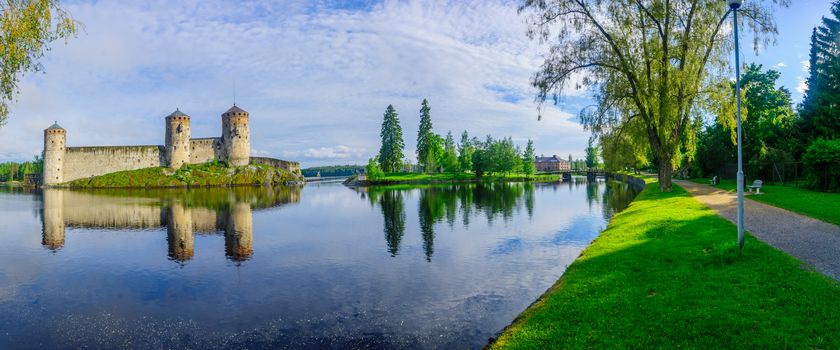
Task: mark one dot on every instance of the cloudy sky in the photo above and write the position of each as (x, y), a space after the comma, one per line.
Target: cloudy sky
(315, 75)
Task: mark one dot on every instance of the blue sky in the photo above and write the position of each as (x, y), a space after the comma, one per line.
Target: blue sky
(315, 75)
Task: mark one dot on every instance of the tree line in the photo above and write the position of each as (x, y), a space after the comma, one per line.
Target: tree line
(660, 73)
(332, 170)
(14, 171)
(442, 154)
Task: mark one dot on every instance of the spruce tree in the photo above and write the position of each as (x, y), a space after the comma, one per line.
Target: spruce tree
(821, 105)
(391, 150)
(528, 159)
(465, 152)
(424, 135)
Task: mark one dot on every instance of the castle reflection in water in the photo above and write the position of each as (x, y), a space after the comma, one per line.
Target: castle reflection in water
(184, 213)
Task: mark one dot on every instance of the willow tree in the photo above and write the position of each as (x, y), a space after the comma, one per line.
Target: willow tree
(26, 29)
(648, 62)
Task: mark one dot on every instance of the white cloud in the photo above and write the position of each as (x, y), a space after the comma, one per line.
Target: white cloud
(328, 153)
(781, 65)
(312, 76)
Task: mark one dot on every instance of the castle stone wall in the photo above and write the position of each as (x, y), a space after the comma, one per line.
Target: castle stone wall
(293, 167)
(82, 162)
(205, 150)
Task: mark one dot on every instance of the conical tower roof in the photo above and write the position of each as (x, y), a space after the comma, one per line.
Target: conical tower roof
(55, 126)
(177, 113)
(235, 109)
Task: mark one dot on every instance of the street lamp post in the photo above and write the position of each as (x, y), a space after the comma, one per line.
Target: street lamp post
(734, 5)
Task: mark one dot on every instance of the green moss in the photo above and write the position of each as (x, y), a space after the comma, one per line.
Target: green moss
(193, 175)
(665, 275)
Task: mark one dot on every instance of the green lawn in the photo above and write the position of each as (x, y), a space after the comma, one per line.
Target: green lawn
(665, 274)
(819, 205)
(390, 178)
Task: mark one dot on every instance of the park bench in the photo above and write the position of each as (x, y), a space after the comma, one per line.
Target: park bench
(756, 185)
(714, 181)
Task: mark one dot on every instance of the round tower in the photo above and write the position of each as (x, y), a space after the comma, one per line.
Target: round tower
(177, 139)
(236, 136)
(55, 142)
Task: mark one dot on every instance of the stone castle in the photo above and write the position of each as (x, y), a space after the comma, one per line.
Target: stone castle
(62, 163)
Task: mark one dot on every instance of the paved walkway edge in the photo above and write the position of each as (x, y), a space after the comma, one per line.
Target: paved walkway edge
(810, 240)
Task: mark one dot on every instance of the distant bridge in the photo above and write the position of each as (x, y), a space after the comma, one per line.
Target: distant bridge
(589, 173)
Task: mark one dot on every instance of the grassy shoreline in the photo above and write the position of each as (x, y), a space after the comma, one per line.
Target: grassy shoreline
(665, 274)
(823, 206)
(188, 176)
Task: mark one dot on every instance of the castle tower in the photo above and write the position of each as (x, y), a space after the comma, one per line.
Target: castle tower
(55, 142)
(239, 233)
(177, 139)
(52, 219)
(180, 234)
(236, 136)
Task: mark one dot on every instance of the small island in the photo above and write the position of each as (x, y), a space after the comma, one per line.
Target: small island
(182, 162)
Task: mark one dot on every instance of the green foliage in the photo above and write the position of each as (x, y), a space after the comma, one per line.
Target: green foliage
(528, 159)
(666, 274)
(373, 171)
(332, 170)
(465, 152)
(714, 149)
(650, 63)
(391, 150)
(12, 171)
(26, 30)
(822, 165)
(592, 157)
(434, 154)
(425, 137)
(821, 104)
(449, 159)
(191, 175)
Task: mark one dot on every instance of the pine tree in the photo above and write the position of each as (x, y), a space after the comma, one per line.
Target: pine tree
(820, 108)
(391, 150)
(528, 159)
(424, 135)
(465, 152)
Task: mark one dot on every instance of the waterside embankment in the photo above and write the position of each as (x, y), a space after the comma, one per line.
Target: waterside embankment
(666, 273)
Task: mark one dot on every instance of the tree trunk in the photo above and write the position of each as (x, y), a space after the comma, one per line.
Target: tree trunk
(665, 173)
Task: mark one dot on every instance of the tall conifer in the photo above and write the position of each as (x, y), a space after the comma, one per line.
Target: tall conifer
(424, 135)
(391, 150)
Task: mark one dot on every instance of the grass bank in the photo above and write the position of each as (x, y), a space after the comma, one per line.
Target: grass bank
(819, 205)
(421, 178)
(192, 175)
(665, 274)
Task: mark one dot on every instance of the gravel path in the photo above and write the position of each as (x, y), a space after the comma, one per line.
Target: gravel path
(810, 240)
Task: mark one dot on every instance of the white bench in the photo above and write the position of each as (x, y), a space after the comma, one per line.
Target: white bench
(756, 185)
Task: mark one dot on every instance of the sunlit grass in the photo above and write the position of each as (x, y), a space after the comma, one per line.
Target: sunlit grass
(666, 274)
(819, 205)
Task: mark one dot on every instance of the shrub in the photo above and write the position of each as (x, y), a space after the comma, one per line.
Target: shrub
(822, 165)
(373, 170)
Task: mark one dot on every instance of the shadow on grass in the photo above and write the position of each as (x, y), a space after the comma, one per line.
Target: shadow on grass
(666, 274)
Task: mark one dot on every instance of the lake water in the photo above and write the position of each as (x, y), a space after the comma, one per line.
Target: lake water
(322, 266)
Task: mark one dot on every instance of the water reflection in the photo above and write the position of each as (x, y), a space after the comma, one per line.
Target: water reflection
(401, 267)
(184, 213)
(493, 201)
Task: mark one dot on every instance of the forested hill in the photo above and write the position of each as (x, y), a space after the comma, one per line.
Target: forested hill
(333, 170)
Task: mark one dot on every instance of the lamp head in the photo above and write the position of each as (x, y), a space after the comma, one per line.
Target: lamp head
(734, 4)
